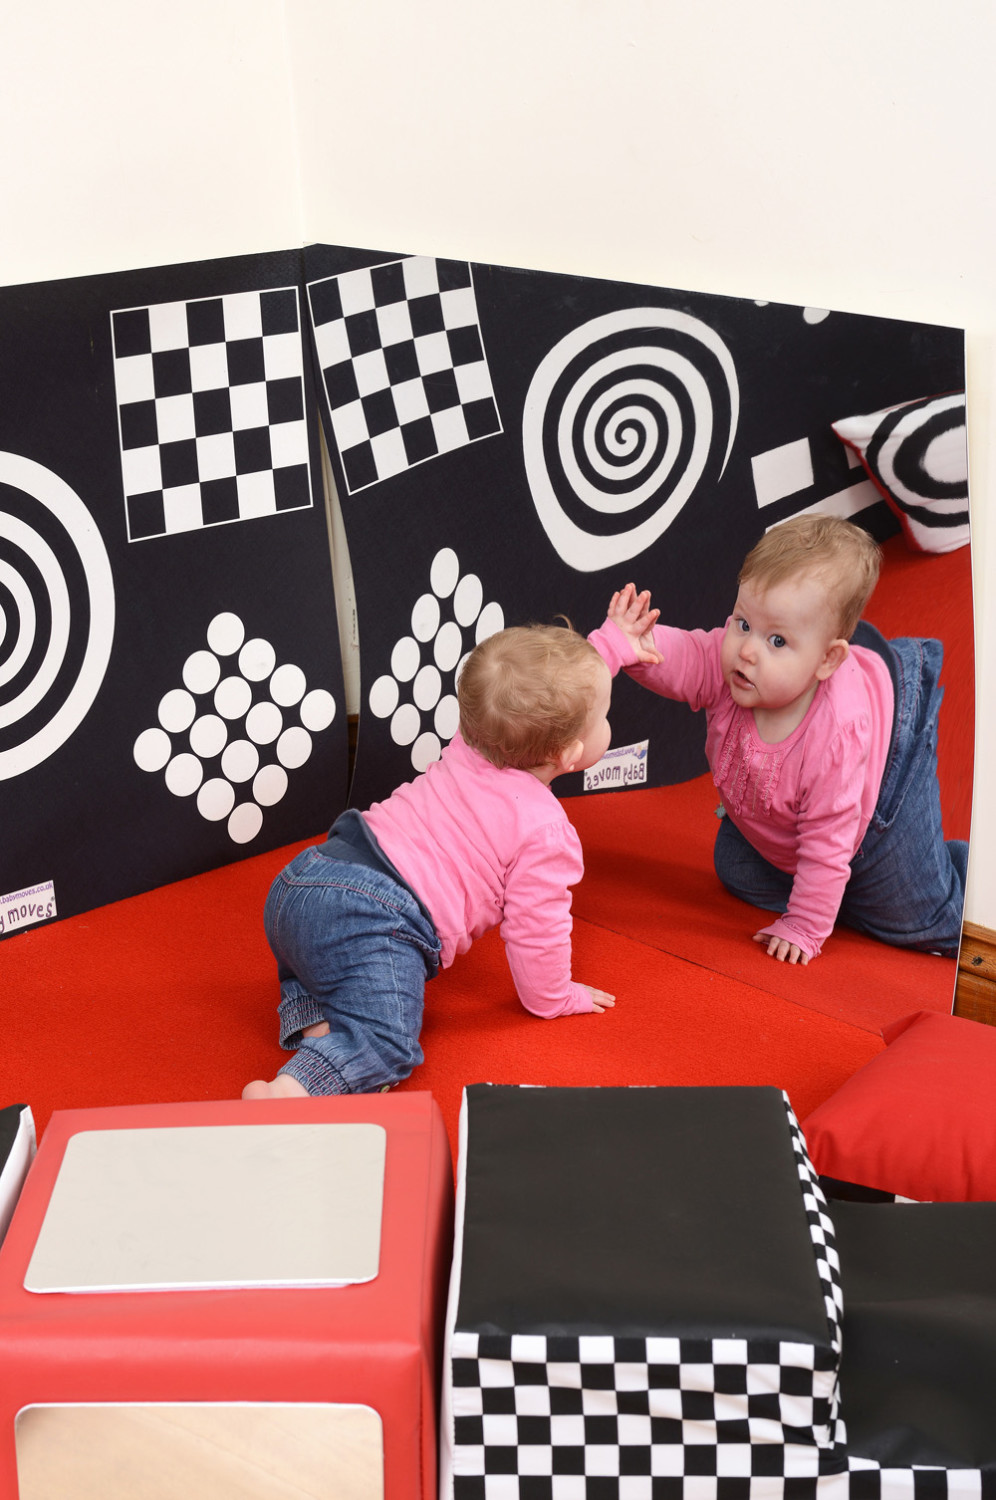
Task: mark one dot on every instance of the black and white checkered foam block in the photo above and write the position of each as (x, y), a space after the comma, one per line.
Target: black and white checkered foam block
(645, 1299)
(645, 1305)
(403, 365)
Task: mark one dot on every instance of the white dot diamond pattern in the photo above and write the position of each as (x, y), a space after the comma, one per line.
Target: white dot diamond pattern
(230, 734)
(417, 696)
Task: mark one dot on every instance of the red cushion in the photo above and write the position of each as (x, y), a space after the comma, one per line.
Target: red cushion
(919, 1120)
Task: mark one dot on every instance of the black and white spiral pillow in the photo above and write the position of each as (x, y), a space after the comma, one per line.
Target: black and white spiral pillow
(917, 455)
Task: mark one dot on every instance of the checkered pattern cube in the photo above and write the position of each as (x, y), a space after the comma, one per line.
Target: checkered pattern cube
(211, 410)
(403, 365)
(645, 1300)
(867, 1480)
(625, 1411)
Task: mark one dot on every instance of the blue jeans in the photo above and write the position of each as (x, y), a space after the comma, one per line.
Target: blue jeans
(354, 949)
(907, 885)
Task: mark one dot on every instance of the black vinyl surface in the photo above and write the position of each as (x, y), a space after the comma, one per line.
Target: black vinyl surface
(10, 1125)
(636, 1212)
(918, 1376)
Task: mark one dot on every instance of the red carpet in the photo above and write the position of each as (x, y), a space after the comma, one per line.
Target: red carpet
(666, 894)
(171, 996)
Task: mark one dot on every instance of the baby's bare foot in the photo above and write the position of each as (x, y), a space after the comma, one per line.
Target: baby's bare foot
(320, 1028)
(282, 1087)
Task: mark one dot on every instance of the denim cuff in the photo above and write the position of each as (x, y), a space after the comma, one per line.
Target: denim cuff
(314, 1073)
(296, 1012)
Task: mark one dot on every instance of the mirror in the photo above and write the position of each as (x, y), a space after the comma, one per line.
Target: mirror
(508, 445)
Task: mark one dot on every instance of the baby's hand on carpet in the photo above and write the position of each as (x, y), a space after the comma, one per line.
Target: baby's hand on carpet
(599, 999)
(782, 949)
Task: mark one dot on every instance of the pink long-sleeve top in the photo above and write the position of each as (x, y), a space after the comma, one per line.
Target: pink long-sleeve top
(804, 803)
(482, 846)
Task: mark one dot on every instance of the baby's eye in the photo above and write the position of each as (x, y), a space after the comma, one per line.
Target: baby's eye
(778, 641)
(741, 624)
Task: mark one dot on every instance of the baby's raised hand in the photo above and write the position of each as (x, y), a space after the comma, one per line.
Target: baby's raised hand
(631, 612)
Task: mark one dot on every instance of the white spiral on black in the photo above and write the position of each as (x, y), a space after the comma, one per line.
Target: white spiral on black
(31, 693)
(620, 420)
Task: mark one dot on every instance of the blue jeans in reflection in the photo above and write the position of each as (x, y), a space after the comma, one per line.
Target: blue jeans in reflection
(907, 884)
(353, 948)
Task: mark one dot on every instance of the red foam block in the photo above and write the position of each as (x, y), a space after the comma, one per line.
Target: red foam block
(375, 1344)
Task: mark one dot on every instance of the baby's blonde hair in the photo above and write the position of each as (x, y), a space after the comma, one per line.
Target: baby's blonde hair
(526, 693)
(837, 554)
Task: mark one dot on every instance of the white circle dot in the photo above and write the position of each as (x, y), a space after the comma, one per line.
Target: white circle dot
(245, 823)
(257, 659)
(383, 698)
(446, 719)
(815, 314)
(264, 722)
(232, 697)
(293, 748)
(215, 799)
(425, 750)
(270, 785)
(201, 672)
(152, 749)
(177, 710)
(468, 599)
(405, 659)
(489, 622)
(425, 617)
(225, 634)
(406, 724)
(184, 775)
(240, 760)
(444, 572)
(459, 668)
(287, 685)
(448, 646)
(427, 687)
(317, 710)
(208, 735)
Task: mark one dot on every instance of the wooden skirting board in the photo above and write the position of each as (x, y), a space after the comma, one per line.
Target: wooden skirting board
(975, 991)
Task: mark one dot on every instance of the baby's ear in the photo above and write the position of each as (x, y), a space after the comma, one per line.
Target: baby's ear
(836, 654)
(569, 757)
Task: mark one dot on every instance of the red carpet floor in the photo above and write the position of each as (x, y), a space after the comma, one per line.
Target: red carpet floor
(171, 996)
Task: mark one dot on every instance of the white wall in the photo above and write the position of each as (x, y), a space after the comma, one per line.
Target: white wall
(144, 134)
(834, 154)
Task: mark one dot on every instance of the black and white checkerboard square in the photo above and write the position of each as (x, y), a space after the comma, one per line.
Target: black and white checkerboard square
(821, 1230)
(211, 415)
(620, 1414)
(403, 364)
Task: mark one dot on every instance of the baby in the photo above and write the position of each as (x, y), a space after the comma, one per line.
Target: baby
(822, 739)
(358, 923)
